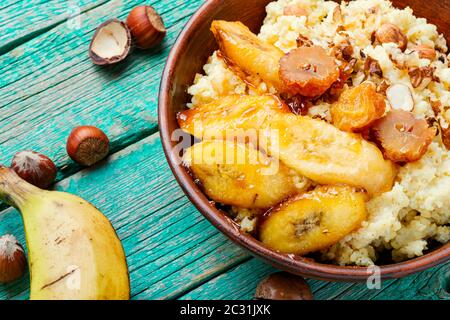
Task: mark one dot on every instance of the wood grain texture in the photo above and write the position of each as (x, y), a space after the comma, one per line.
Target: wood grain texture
(241, 281)
(184, 62)
(171, 249)
(49, 85)
(24, 20)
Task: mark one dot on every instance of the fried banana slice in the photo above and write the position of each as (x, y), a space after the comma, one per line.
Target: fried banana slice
(323, 153)
(245, 50)
(314, 148)
(314, 221)
(239, 175)
(231, 115)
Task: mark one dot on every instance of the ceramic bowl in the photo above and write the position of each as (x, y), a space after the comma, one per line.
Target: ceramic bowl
(190, 52)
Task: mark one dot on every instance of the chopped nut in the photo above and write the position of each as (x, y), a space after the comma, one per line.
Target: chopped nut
(343, 51)
(388, 33)
(383, 86)
(373, 67)
(345, 72)
(445, 135)
(295, 10)
(299, 105)
(303, 41)
(347, 52)
(425, 52)
(421, 77)
(436, 106)
(441, 44)
(400, 97)
(337, 14)
(373, 10)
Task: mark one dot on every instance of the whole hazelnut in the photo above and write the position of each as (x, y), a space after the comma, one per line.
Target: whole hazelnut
(389, 32)
(425, 52)
(35, 168)
(87, 145)
(13, 262)
(146, 26)
(283, 286)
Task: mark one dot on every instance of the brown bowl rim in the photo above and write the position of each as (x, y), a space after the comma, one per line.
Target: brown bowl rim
(297, 265)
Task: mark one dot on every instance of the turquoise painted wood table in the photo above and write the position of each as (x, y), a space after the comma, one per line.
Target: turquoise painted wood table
(48, 85)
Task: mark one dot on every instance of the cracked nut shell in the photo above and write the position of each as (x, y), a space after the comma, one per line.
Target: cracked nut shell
(111, 43)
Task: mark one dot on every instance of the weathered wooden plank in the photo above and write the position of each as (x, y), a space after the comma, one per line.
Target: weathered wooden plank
(23, 20)
(241, 281)
(48, 85)
(170, 247)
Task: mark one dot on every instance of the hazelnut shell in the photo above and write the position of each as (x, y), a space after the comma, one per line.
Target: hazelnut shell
(103, 52)
(146, 26)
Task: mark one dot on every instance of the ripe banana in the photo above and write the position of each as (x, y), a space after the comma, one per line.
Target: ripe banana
(73, 250)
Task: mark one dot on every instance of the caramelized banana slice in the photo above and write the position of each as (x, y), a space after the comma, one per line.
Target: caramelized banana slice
(308, 71)
(313, 221)
(230, 115)
(244, 49)
(358, 107)
(314, 148)
(323, 153)
(403, 137)
(239, 175)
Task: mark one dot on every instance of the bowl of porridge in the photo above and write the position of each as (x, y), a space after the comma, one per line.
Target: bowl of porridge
(315, 134)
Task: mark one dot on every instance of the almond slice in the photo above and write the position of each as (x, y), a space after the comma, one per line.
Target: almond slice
(400, 97)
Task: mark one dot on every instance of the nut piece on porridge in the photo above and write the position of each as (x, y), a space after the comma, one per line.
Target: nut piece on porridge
(403, 137)
(390, 33)
(358, 107)
(295, 10)
(245, 50)
(308, 71)
(400, 97)
(314, 220)
(239, 175)
(231, 115)
(445, 134)
(353, 144)
(425, 52)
